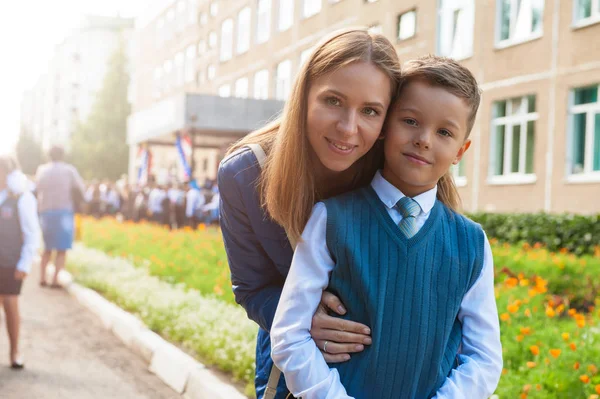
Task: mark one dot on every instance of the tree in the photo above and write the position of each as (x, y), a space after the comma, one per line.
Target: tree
(29, 153)
(99, 144)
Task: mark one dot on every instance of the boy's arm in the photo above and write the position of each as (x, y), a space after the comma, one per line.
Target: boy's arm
(481, 354)
(294, 352)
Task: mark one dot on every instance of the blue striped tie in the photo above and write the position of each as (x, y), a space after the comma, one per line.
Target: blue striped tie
(409, 209)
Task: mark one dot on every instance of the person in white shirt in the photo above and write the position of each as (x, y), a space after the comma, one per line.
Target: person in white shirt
(19, 242)
(156, 204)
(211, 210)
(194, 201)
(402, 260)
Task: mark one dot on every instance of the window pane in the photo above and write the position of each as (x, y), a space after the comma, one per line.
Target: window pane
(499, 154)
(505, 20)
(578, 142)
(586, 95)
(516, 149)
(584, 9)
(530, 147)
(536, 15)
(461, 168)
(596, 152)
(516, 105)
(407, 25)
(500, 109)
(530, 104)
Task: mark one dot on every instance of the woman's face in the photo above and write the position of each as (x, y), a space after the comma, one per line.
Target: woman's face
(345, 113)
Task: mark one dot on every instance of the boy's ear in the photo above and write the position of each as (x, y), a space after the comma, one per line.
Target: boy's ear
(462, 151)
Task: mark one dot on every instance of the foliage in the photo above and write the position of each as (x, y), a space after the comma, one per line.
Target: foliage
(99, 144)
(578, 234)
(214, 331)
(29, 153)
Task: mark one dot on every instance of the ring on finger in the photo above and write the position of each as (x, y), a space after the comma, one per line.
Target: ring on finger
(325, 346)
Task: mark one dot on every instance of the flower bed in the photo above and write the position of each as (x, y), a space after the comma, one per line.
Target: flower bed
(549, 304)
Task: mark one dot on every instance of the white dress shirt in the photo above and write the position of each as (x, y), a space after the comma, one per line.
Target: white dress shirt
(296, 354)
(28, 217)
(194, 200)
(155, 200)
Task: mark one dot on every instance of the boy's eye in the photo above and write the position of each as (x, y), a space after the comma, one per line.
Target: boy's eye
(370, 112)
(445, 132)
(410, 122)
(332, 101)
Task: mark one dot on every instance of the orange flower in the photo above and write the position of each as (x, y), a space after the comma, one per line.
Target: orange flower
(581, 323)
(584, 378)
(597, 389)
(560, 308)
(504, 371)
(555, 353)
(534, 349)
(524, 282)
(526, 387)
(593, 369)
(526, 330)
(527, 312)
(513, 308)
(520, 338)
(504, 317)
(572, 312)
(566, 336)
(550, 312)
(573, 346)
(547, 361)
(538, 387)
(523, 395)
(531, 364)
(576, 366)
(511, 282)
(564, 251)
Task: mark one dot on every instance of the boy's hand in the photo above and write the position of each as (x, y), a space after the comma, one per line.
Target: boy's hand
(19, 275)
(342, 336)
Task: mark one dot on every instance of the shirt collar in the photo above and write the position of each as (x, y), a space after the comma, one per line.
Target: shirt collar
(390, 195)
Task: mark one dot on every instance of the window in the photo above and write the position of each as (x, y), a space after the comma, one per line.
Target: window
(180, 15)
(211, 72)
(201, 47)
(214, 8)
(169, 24)
(519, 21)
(263, 21)
(190, 57)
(311, 7)
(283, 80)
(193, 12)
(243, 30)
(376, 28)
(160, 30)
(456, 22)
(203, 18)
(225, 91)
(241, 88)
(261, 84)
(584, 116)
(459, 173)
(513, 139)
(407, 25)
(226, 39)
(304, 55)
(179, 69)
(286, 14)
(157, 81)
(167, 75)
(201, 79)
(212, 40)
(587, 11)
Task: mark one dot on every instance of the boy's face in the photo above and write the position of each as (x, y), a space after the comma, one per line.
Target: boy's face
(425, 134)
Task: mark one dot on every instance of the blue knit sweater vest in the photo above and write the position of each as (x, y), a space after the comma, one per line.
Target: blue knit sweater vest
(408, 291)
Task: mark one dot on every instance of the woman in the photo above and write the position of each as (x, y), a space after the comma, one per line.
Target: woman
(58, 185)
(325, 143)
(18, 244)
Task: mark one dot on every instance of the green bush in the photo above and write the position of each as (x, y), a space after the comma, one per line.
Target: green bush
(577, 234)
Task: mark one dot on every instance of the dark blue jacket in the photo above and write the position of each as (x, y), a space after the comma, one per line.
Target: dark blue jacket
(258, 251)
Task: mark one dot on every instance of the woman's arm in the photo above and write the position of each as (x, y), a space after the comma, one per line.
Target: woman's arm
(306, 373)
(28, 218)
(257, 283)
(481, 354)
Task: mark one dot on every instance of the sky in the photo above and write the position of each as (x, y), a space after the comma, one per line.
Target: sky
(29, 30)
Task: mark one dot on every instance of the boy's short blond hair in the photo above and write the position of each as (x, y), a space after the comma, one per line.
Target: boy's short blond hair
(448, 74)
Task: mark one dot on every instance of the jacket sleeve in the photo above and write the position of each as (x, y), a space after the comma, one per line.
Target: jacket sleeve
(256, 281)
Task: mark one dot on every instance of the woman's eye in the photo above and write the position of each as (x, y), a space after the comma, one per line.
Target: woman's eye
(410, 122)
(370, 112)
(332, 101)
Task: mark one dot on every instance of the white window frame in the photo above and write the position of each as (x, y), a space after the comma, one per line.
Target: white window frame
(509, 121)
(263, 21)
(305, 54)
(376, 28)
(158, 74)
(214, 8)
(226, 52)
(455, 37)
(201, 47)
(211, 72)
(190, 58)
(399, 35)
(203, 18)
(594, 17)
(180, 17)
(459, 180)
(311, 7)
(212, 39)
(591, 110)
(241, 88)
(178, 64)
(283, 80)
(261, 84)
(193, 12)
(167, 75)
(286, 15)
(244, 30)
(515, 36)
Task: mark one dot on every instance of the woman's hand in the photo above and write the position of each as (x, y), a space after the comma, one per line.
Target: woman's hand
(19, 275)
(342, 336)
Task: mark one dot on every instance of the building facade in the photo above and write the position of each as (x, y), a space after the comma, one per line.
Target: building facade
(536, 141)
(65, 94)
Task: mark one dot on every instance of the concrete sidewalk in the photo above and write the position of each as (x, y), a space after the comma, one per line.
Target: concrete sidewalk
(68, 354)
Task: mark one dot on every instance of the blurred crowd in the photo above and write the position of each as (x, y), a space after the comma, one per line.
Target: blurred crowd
(174, 205)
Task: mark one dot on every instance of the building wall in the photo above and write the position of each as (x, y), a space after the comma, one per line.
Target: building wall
(557, 53)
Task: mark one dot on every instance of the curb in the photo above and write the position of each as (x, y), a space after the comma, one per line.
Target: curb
(177, 369)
